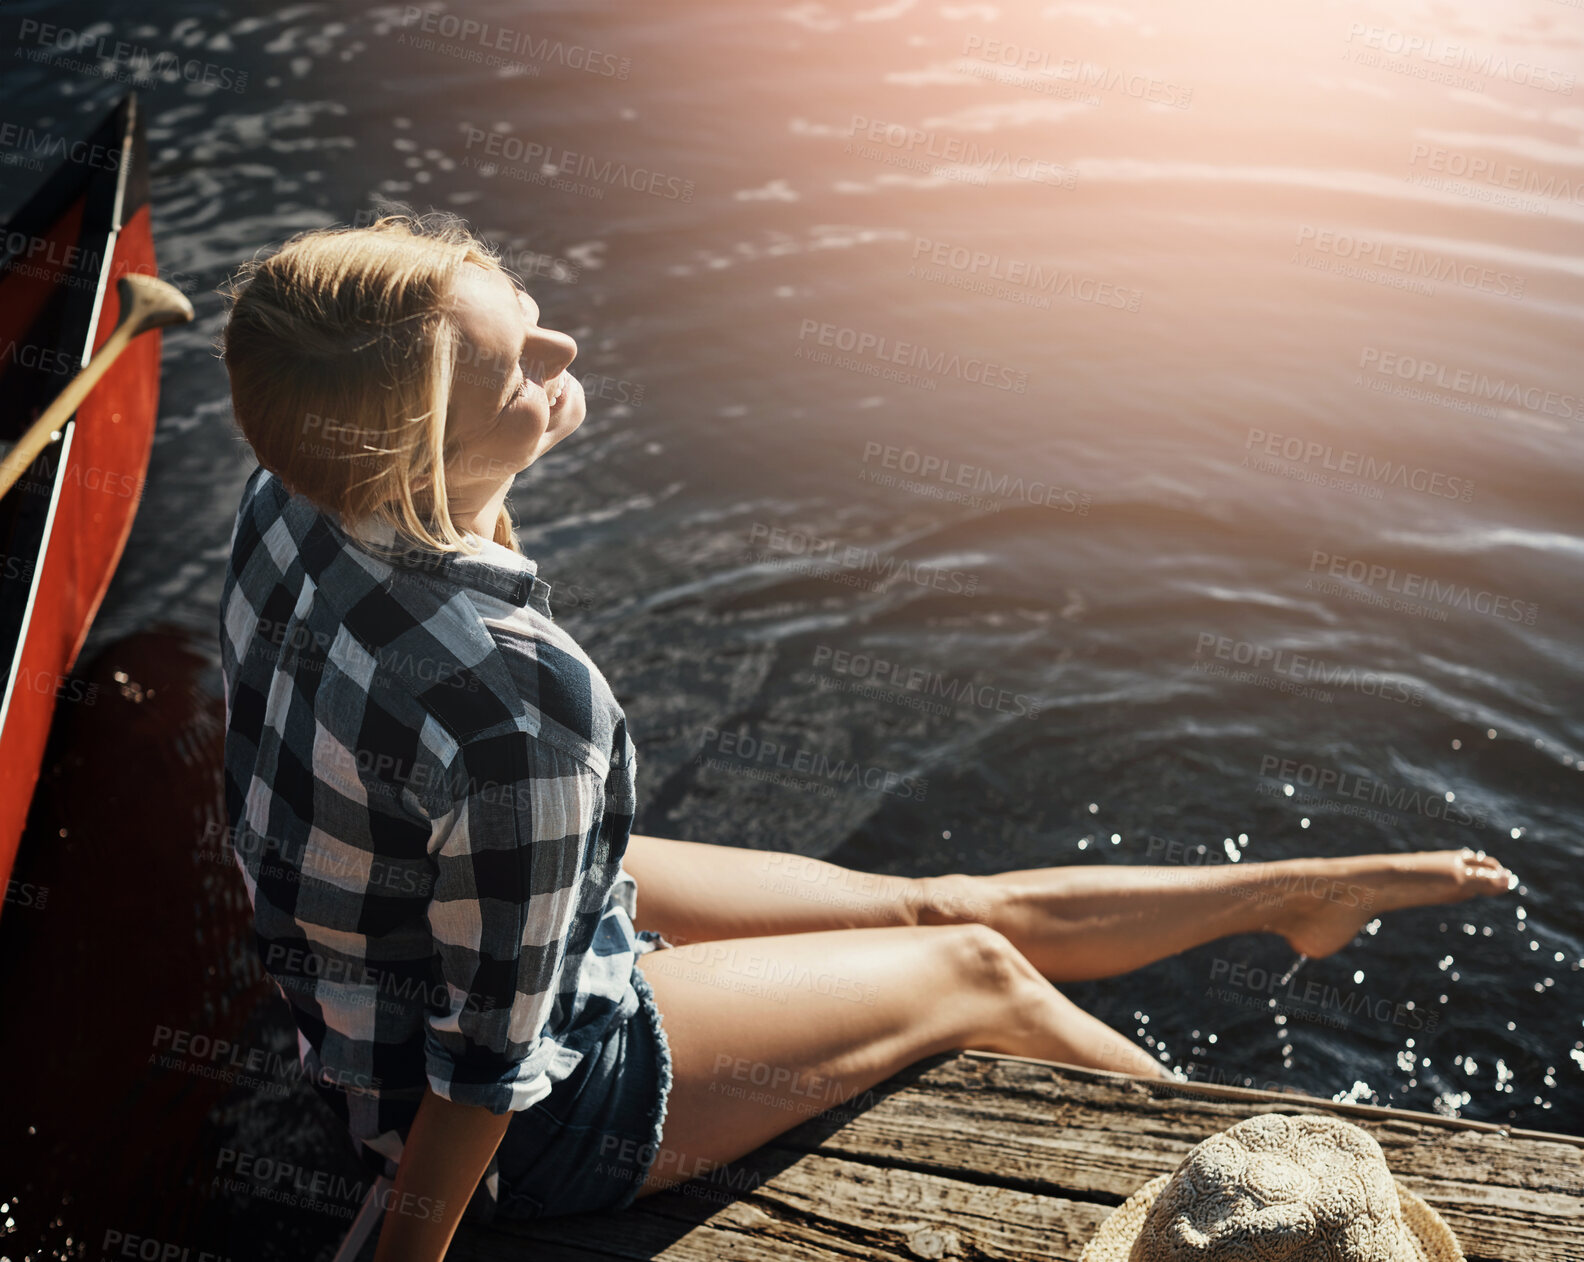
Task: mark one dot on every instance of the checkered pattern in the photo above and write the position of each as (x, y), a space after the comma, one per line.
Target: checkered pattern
(430, 789)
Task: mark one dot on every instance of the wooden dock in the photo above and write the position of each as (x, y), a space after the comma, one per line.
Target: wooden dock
(975, 1155)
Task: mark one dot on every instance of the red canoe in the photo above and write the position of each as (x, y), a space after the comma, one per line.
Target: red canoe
(63, 526)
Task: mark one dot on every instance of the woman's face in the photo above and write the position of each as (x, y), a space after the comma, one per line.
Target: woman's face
(512, 398)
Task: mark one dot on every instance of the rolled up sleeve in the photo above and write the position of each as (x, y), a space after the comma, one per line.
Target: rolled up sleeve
(506, 893)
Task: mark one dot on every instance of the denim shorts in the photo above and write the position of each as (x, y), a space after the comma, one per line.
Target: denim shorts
(589, 1144)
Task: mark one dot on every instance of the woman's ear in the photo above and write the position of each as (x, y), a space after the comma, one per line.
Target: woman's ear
(421, 483)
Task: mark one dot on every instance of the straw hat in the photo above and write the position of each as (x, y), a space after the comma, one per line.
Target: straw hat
(1280, 1187)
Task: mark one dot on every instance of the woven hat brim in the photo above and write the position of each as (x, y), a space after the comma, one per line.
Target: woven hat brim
(1428, 1228)
(1429, 1236)
(1114, 1240)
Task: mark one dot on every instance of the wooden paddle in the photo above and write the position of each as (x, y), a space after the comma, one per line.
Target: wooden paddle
(146, 303)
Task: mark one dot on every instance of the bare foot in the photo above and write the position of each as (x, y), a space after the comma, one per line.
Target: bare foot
(1325, 902)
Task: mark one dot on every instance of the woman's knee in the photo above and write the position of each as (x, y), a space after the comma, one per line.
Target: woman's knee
(953, 899)
(986, 958)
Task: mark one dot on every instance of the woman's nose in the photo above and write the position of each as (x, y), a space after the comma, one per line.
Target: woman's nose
(549, 354)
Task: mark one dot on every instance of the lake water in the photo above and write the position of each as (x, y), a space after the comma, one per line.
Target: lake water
(1126, 433)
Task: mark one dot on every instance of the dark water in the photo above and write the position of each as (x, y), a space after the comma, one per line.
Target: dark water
(1307, 307)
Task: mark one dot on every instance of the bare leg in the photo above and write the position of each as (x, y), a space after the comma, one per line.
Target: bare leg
(696, 892)
(767, 1032)
(1072, 923)
(1080, 923)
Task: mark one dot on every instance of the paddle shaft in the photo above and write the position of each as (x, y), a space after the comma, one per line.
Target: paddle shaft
(146, 303)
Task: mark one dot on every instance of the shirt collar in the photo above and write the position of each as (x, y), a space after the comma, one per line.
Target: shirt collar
(496, 569)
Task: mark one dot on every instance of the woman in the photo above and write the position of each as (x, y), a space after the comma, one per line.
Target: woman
(431, 791)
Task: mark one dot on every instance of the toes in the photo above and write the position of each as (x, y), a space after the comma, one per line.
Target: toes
(1486, 871)
(1501, 879)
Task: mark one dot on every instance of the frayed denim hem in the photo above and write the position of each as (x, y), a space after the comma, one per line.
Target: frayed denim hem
(650, 1011)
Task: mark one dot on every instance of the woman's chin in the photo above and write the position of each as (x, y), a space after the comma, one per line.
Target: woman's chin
(562, 425)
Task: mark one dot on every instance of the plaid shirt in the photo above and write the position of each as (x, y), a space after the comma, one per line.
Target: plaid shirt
(429, 788)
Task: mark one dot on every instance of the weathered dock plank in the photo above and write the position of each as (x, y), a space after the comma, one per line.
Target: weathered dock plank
(815, 1207)
(976, 1155)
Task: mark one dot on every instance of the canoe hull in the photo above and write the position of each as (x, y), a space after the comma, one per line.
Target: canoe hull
(69, 517)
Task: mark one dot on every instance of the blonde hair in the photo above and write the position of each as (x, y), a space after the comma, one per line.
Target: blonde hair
(341, 351)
